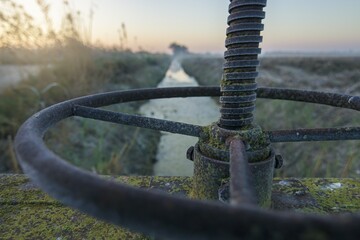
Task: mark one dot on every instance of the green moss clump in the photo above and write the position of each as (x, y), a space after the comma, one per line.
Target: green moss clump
(335, 195)
(172, 185)
(28, 213)
(317, 195)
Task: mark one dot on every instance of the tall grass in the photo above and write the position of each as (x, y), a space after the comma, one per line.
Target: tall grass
(72, 68)
(108, 148)
(112, 71)
(23, 40)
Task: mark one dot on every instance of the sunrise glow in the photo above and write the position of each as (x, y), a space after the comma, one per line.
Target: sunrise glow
(290, 25)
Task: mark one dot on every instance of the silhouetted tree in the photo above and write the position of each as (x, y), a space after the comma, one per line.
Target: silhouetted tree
(178, 49)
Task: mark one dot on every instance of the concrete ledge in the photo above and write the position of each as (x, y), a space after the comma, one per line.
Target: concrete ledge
(26, 212)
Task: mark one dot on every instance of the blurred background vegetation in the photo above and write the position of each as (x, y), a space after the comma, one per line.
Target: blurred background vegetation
(68, 65)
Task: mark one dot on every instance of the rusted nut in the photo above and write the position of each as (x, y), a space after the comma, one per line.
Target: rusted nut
(279, 161)
(190, 153)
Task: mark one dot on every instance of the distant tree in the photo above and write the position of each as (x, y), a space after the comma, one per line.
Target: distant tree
(178, 49)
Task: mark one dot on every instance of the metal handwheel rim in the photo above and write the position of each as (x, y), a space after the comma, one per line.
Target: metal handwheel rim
(139, 209)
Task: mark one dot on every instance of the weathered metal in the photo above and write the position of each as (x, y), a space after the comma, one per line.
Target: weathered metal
(319, 134)
(209, 175)
(250, 183)
(213, 142)
(238, 86)
(138, 121)
(152, 212)
(241, 181)
(233, 153)
(238, 96)
(212, 158)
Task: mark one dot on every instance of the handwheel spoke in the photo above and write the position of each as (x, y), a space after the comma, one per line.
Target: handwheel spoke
(138, 121)
(152, 212)
(325, 98)
(316, 134)
(241, 189)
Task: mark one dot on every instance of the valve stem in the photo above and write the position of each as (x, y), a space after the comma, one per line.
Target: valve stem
(238, 86)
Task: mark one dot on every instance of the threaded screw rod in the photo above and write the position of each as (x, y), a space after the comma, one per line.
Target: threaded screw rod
(238, 86)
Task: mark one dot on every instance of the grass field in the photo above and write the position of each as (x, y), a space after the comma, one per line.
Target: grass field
(101, 147)
(336, 74)
(68, 66)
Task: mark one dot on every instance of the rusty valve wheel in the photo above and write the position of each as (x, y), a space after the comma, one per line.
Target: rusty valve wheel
(243, 158)
(160, 214)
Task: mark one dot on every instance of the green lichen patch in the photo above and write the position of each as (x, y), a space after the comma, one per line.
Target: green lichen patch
(28, 213)
(55, 222)
(209, 134)
(215, 138)
(312, 195)
(16, 189)
(180, 186)
(335, 195)
(293, 195)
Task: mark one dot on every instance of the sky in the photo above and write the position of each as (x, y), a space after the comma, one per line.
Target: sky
(290, 25)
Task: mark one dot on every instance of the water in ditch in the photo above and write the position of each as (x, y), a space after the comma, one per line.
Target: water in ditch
(171, 153)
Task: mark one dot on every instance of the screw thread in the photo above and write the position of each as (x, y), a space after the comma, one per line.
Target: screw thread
(238, 86)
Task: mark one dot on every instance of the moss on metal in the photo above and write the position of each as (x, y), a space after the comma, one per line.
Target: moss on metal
(208, 137)
(213, 144)
(208, 177)
(216, 137)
